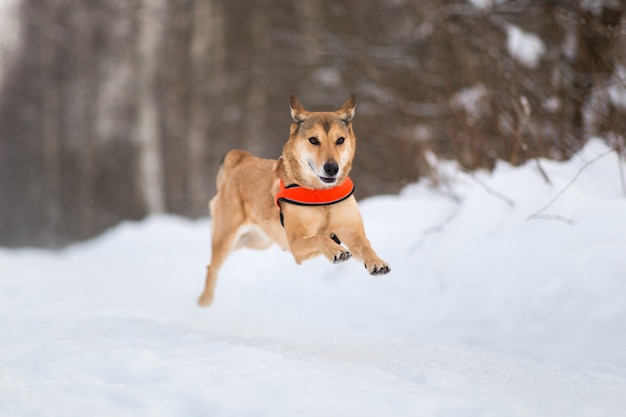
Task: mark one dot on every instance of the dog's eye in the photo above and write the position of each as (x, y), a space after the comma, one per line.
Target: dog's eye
(340, 140)
(314, 141)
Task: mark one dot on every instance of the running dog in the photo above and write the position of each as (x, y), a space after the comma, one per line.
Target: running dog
(302, 202)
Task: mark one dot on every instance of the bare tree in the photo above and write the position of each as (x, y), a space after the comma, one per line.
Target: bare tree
(152, 16)
(114, 109)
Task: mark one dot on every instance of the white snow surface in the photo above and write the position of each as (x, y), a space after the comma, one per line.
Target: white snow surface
(485, 312)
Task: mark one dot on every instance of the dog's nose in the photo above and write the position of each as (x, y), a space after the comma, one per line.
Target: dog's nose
(331, 168)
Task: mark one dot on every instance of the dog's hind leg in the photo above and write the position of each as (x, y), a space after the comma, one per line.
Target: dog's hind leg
(252, 237)
(225, 236)
(222, 245)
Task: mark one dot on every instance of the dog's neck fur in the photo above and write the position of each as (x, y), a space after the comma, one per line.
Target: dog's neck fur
(289, 175)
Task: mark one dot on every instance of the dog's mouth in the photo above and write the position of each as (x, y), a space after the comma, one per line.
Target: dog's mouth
(323, 178)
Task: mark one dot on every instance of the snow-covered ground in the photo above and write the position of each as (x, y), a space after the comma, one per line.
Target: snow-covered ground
(485, 312)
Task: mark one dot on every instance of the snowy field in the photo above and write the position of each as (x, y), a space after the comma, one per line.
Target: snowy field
(485, 312)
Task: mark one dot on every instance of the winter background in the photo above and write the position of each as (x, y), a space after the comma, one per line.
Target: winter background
(507, 294)
(487, 311)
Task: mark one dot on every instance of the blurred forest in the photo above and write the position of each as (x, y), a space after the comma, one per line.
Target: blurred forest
(115, 109)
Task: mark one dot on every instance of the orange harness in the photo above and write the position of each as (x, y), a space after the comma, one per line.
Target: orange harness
(295, 194)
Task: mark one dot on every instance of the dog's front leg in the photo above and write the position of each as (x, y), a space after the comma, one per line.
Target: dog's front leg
(303, 229)
(308, 238)
(362, 249)
(347, 223)
(307, 247)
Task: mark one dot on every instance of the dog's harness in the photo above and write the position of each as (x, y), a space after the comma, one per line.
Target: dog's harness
(295, 194)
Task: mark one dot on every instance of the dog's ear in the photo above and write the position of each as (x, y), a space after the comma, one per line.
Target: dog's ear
(298, 113)
(346, 113)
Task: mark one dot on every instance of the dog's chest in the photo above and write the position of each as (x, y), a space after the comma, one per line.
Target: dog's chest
(319, 219)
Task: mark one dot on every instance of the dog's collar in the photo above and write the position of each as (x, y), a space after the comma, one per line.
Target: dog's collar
(295, 194)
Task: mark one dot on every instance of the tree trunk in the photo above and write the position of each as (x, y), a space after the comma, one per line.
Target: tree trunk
(152, 16)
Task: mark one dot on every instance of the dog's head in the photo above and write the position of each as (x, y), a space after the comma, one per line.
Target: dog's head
(321, 145)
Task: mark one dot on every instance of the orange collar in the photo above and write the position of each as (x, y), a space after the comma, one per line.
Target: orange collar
(295, 194)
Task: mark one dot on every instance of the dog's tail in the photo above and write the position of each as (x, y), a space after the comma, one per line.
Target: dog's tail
(230, 160)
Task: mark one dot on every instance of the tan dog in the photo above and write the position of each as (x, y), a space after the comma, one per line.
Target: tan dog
(317, 157)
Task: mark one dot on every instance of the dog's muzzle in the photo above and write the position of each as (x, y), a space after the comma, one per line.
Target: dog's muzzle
(331, 169)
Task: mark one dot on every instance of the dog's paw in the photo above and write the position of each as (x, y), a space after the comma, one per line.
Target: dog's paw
(378, 267)
(341, 256)
(205, 300)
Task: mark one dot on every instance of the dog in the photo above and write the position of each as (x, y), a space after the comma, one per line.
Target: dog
(302, 202)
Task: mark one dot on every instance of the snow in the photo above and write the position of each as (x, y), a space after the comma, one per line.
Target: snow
(526, 47)
(617, 90)
(473, 101)
(485, 313)
(485, 4)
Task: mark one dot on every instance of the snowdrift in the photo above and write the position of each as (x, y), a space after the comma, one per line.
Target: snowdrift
(507, 296)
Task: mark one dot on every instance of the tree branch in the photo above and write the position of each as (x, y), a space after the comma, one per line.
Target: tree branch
(538, 214)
